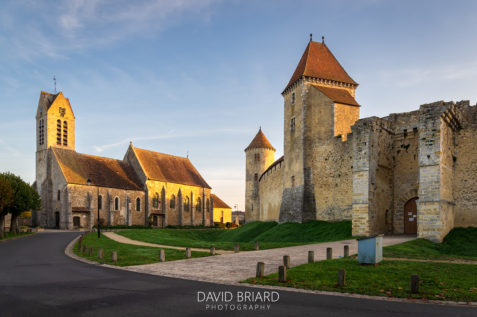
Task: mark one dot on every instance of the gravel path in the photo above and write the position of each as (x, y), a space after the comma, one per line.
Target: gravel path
(235, 267)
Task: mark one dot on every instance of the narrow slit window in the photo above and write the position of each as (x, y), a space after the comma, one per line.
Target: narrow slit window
(65, 133)
(116, 203)
(199, 204)
(58, 132)
(138, 204)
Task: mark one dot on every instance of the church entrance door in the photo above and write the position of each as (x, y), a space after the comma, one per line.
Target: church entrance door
(57, 220)
(410, 216)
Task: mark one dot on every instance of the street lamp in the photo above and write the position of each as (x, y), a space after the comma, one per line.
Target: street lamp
(97, 199)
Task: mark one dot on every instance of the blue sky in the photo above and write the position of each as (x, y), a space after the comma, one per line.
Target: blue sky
(202, 76)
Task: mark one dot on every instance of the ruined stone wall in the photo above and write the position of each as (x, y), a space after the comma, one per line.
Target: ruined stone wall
(344, 117)
(333, 179)
(406, 166)
(270, 192)
(465, 169)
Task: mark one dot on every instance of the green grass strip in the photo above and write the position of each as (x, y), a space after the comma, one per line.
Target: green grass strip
(127, 254)
(439, 281)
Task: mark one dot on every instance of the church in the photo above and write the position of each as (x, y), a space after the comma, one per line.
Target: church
(144, 188)
(413, 172)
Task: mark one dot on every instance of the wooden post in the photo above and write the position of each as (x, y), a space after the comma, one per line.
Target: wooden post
(188, 253)
(414, 284)
(162, 255)
(257, 246)
(282, 274)
(100, 254)
(341, 278)
(346, 251)
(84, 248)
(260, 269)
(114, 256)
(236, 248)
(286, 261)
(90, 251)
(329, 253)
(212, 250)
(311, 256)
(80, 240)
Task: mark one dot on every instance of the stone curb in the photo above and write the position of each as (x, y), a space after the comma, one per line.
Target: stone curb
(69, 252)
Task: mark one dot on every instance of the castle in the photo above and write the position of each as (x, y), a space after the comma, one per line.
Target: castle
(145, 188)
(413, 172)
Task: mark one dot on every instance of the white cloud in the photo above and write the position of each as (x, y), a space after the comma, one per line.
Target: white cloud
(37, 28)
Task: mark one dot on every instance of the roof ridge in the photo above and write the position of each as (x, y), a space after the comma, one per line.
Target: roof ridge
(84, 154)
(182, 157)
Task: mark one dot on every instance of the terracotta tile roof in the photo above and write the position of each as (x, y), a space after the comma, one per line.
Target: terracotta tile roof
(219, 203)
(102, 171)
(339, 95)
(169, 168)
(260, 141)
(281, 159)
(317, 61)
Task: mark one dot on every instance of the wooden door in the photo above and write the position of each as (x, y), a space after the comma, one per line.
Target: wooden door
(410, 216)
(76, 222)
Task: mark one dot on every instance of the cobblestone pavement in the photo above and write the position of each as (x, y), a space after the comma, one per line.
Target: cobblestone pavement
(236, 267)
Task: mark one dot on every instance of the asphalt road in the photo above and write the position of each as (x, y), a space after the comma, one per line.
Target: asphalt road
(38, 279)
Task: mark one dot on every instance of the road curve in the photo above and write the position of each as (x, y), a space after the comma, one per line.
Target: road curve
(38, 279)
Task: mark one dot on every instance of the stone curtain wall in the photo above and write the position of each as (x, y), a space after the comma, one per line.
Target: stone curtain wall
(270, 193)
(344, 117)
(465, 169)
(332, 172)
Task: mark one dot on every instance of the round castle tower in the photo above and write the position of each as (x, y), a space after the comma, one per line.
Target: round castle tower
(260, 154)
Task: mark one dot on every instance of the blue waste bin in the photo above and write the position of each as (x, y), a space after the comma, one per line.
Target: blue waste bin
(370, 249)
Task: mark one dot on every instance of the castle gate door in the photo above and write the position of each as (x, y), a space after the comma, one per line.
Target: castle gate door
(410, 216)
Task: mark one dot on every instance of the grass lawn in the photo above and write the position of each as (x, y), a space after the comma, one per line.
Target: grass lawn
(269, 234)
(440, 281)
(10, 235)
(460, 243)
(128, 254)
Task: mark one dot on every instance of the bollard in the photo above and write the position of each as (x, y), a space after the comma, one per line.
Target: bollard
(346, 251)
(260, 269)
(100, 254)
(311, 256)
(329, 253)
(188, 253)
(80, 240)
(414, 284)
(257, 246)
(162, 255)
(84, 248)
(282, 274)
(114, 256)
(286, 261)
(341, 278)
(90, 251)
(236, 248)
(212, 250)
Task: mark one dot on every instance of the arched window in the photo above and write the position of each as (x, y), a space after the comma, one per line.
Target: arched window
(199, 204)
(116, 203)
(138, 204)
(155, 201)
(207, 205)
(65, 133)
(100, 202)
(186, 203)
(172, 202)
(58, 132)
